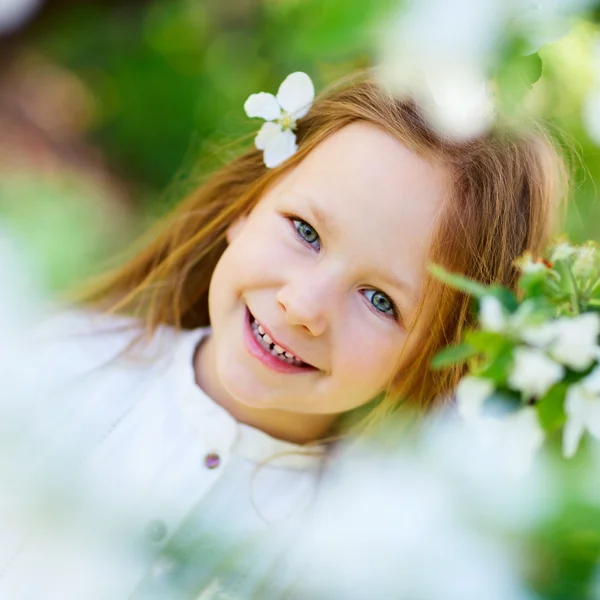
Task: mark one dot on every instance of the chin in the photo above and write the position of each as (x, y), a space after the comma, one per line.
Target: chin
(240, 384)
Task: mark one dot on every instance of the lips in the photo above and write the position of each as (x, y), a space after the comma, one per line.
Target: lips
(279, 347)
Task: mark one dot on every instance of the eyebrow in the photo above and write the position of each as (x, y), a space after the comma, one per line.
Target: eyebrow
(325, 222)
(323, 219)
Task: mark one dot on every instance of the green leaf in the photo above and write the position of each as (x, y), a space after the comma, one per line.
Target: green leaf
(551, 407)
(489, 342)
(564, 281)
(453, 355)
(506, 297)
(459, 282)
(533, 284)
(498, 367)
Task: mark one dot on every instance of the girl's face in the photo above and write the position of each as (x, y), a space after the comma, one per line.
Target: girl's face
(330, 263)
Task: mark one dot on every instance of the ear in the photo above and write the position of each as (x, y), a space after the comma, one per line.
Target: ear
(234, 229)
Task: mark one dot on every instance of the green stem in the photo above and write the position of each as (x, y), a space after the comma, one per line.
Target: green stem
(574, 292)
(567, 276)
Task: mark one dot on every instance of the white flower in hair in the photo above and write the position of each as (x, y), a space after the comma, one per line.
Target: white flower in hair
(276, 137)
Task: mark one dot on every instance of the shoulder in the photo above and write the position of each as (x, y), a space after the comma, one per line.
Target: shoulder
(69, 342)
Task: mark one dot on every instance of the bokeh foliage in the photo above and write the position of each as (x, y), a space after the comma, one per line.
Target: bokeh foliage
(169, 77)
(167, 80)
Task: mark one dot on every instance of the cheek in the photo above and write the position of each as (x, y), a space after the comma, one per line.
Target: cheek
(261, 255)
(369, 356)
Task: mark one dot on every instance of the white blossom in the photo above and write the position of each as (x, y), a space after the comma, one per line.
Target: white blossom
(539, 336)
(516, 437)
(14, 13)
(590, 114)
(492, 315)
(576, 340)
(533, 372)
(511, 439)
(586, 262)
(527, 264)
(546, 21)
(471, 393)
(562, 251)
(590, 110)
(582, 407)
(444, 68)
(276, 137)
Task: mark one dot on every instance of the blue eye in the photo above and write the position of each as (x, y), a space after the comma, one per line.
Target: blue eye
(382, 302)
(307, 232)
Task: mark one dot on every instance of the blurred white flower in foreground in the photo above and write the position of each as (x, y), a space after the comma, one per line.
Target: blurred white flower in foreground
(471, 393)
(515, 437)
(293, 101)
(382, 523)
(14, 13)
(441, 60)
(492, 315)
(440, 52)
(442, 67)
(509, 439)
(539, 336)
(576, 340)
(590, 110)
(582, 407)
(533, 372)
(21, 301)
(571, 341)
(546, 21)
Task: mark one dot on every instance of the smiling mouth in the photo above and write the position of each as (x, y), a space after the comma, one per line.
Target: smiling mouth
(271, 346)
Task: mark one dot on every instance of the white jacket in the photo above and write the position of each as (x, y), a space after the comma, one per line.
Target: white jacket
(121, 479)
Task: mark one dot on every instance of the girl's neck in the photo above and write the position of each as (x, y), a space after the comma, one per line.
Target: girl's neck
(298, 428)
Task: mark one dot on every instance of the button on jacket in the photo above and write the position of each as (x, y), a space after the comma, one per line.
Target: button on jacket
(119, 461)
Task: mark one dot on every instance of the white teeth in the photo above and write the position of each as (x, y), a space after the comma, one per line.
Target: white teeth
(266, 341)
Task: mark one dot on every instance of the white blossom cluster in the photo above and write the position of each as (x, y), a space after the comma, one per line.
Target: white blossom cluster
(545, 351)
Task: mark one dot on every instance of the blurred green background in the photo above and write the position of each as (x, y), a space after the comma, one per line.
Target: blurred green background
(119, 107)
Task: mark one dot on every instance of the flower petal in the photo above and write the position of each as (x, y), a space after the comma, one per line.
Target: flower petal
(280, 148)
(266, 133)
(539, 336)
(576, 344)
(533, 372)
(471, 393)
(492, 315)
(296, 94)
(572, 432)
(262, 105)
(593, 417)
(523, 436)
(562, 251)
(591, 382)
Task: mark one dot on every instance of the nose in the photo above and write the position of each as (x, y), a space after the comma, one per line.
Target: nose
(307, 301)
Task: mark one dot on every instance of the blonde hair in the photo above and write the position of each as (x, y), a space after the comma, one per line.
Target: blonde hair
(506, 187)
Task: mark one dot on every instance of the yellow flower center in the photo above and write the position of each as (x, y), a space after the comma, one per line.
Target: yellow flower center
(287, 122)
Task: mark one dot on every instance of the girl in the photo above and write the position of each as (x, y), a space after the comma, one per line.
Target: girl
(267, 308)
